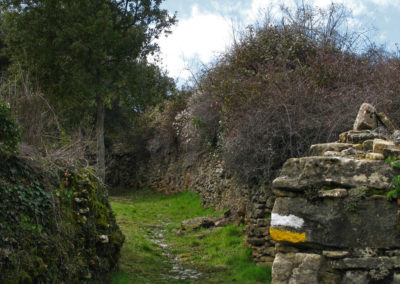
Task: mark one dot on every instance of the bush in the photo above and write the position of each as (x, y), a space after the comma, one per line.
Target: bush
(10, 133)
(284, 86)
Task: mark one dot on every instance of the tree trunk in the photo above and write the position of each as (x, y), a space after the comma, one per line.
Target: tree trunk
(101, 164)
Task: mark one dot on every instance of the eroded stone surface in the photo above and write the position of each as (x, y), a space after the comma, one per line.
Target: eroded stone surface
(334, 254)
(355, 136)
(333, 193)
(366, 118)
(385, 120)
(329, 223)
(299, 174)
(374, 156)
(320, 149)
(379, 145)
(296, 268)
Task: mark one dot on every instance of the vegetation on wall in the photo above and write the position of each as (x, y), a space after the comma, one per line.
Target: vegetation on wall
(285, 85)
(55, 226)
(10, 133)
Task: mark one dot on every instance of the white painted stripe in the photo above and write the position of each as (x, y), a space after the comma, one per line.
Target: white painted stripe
(288, 221)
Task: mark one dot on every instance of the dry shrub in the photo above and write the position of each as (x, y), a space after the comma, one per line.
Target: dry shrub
(41, 127)
(159, 122)
(283, 87)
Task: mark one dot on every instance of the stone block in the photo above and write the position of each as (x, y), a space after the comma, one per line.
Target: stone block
(299, 174)
(256, 241)
(356, 137)
(379, 145)
(366, 263)
(366, 118)
(328, 222)
(282, 267)
(393, 152)
(367, 145)
(374, 156)
(396, 278)
(320, 149)
(355, 277)
(385, 120)
(333, 193)
(335, 254)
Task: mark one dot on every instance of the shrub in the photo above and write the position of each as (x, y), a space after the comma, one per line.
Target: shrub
(284, 86)
(10, 133)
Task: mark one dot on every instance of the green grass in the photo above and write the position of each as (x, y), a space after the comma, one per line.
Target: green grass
(218, 254)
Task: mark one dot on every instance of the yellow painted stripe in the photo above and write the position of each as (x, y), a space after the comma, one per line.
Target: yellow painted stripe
(287, 236)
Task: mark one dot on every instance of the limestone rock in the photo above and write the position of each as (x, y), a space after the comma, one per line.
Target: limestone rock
(366, 118)
(396, 137)
(366, 263)
(332, 154)
(199, 222)
(299, 174)
(328, 223)
(282, 268)
(355, 277)
(385, 120)
(396, 278)
(356, 136)
(374, 156)
(380, 145)
(104, 239)
(368, 145)
(320, 149)
(393, 152)
(333, 193)
(296, 268)
(335, 254)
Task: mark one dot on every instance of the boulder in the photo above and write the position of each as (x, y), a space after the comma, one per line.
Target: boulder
(199, 222)
(366, 118)
(329, 223)
(379, 145)
(385, 120)
(356, 136)
(299, 174)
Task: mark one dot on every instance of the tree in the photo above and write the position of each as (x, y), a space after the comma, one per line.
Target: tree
(84, 53)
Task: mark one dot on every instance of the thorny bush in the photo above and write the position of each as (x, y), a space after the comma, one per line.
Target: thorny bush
(282, 87)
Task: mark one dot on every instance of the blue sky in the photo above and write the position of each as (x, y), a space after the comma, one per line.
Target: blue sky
(205, 27)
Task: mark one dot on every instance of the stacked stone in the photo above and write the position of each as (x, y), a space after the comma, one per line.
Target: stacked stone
(331, 220)
(258, 223)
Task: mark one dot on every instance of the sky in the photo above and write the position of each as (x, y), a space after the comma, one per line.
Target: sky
(206, 28)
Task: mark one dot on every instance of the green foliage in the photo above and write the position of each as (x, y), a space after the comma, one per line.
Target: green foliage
(219, 255)
(395, 193)
(355, 196)
(10, 133)
(86, 55)
(45, 237)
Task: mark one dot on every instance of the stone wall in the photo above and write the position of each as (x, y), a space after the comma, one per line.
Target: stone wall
(223, 192)
(331, 220)
(258, 223)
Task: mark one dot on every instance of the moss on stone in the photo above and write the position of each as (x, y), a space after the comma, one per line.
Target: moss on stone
(47, 234)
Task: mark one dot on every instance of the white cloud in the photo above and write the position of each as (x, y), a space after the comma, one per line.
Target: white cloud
(201, 36)
(259, 8)
(197, 38)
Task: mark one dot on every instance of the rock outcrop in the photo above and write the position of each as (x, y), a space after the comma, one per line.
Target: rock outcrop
(331, 220)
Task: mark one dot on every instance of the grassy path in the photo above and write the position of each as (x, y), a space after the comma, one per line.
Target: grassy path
(154, 253)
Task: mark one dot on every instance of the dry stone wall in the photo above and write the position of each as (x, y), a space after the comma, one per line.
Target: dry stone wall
(331, 220)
